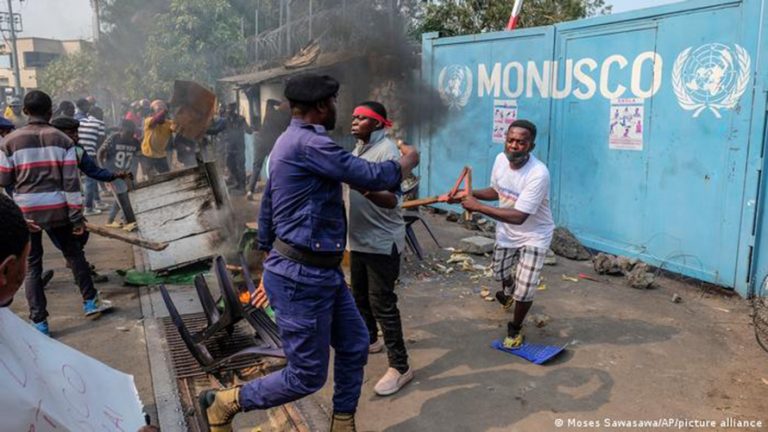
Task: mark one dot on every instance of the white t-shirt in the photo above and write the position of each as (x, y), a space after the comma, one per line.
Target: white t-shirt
(527, 190)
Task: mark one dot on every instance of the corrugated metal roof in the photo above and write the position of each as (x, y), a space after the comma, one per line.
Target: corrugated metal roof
(323, 61)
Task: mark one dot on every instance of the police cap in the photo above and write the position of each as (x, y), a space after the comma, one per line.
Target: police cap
(6, 124)
(311, 88)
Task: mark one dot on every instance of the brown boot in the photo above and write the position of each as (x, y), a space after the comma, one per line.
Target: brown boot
(342, 422)
(219, 407)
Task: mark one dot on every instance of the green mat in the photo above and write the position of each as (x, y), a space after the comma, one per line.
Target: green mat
(185, 276)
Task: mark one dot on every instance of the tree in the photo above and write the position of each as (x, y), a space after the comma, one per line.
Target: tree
(460, 17)
(197, 40)
(72, 75)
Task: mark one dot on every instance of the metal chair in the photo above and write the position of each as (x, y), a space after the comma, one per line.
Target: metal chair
(411, 240)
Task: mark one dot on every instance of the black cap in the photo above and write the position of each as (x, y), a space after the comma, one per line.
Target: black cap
(311, 88)
(65, 123)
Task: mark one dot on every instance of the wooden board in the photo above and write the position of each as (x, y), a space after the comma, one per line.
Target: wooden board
(180, 208)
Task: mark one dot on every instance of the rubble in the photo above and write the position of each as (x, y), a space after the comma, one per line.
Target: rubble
(640, 277)
(540, 320)
(566, 245)
(477, 245)
(551, 259)
(606, 264)
(676, 298)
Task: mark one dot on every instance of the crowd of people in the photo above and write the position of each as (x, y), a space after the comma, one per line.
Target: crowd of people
(318, 201)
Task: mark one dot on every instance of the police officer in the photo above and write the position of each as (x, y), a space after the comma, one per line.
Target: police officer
(302, 225)
(234, 136)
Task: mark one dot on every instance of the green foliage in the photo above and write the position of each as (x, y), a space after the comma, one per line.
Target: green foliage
(197, 40)
(70, 75)
(460, 17)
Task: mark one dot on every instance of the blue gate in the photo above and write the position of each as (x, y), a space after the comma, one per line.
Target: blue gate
(652, 124)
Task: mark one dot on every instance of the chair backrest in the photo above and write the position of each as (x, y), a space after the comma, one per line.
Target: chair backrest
(212, 313)
(198, 351)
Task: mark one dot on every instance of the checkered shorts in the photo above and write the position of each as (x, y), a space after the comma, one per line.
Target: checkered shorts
(522, 266)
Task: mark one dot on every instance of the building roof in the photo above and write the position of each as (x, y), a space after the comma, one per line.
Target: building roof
(322, 61)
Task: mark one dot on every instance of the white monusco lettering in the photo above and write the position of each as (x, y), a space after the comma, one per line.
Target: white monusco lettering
(560, 79)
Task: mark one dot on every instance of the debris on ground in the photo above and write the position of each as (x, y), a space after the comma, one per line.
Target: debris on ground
(569, 278)
(550, 259)
(477, 245)
(640, 277)
(485, 292)
(542, 287)
(606, 264)
(540, 320)
(452, 217)
(676, 298)
(588, 277)
(566, 245)
(636, 272)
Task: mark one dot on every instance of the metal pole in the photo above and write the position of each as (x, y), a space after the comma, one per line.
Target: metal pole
(96, 21)
(256, 34)
(310, 19)
(288, 26)
(14, 53)
(280, 27)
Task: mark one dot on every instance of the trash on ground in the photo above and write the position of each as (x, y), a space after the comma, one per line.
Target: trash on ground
(676, 298)
(569, 278)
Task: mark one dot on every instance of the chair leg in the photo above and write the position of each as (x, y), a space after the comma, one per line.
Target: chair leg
(201, 355)
(414, 243)
(429, 230)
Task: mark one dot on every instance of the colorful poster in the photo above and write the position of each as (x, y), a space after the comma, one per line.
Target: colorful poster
(48, 386)
(626, 124)
(504, 113)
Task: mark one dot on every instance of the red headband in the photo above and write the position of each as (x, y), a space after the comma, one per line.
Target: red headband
(364, 111)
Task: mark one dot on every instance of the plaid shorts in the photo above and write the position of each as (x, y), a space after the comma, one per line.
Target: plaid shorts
(522, 266)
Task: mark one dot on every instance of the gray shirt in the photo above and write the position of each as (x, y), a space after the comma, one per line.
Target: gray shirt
(373, 229)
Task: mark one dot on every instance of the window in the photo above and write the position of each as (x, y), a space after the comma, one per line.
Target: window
(37, 59)
(5, 61)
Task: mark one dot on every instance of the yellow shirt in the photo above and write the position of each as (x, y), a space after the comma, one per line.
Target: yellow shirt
(156, 138)
(17, 120)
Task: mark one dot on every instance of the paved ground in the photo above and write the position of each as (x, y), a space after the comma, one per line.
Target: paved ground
(633, 355)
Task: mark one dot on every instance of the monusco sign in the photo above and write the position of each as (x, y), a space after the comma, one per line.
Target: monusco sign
(709, 77)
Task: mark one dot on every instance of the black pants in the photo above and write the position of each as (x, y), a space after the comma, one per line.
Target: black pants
(72, 248)
(373, 286)
(236, 167)
(260, 153)
(154, 166)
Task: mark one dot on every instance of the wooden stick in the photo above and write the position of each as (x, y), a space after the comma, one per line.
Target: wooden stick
(115, 234)
(420, 202)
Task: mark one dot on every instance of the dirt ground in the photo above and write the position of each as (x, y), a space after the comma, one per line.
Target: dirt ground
(632, 355)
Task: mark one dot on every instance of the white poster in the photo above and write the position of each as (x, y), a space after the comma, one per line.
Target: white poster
(504, 113)
(627, 124)
(48, 386)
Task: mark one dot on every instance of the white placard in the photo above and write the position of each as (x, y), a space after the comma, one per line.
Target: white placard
(48, 386)
(627, 124)
(504, 113)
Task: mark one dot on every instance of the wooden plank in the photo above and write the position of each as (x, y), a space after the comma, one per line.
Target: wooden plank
(118, 234)
(170, 193)
(184, 250)
(162, 178)
(170, 223)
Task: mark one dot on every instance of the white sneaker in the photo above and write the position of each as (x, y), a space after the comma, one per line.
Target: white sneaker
(91, 212)
(392, 382)
(102, 206)
(377, 346)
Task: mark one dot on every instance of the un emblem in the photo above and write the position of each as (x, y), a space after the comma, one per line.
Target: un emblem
(455, 86)
(713, 77)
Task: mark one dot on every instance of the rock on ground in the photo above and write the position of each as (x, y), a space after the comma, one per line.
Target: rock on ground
(640, 277)
(477, 245)
(566, 245)
(606, 264)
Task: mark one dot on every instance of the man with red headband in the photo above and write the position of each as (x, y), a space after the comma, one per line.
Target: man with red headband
(376, 238)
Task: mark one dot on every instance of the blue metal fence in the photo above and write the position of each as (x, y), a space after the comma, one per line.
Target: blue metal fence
(652, 125)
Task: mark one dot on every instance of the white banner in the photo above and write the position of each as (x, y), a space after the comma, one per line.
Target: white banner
(48, 386)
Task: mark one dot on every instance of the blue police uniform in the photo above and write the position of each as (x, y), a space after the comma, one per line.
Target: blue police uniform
(302, 207)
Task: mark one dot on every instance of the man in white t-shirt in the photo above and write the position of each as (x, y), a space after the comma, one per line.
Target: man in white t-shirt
(520, 183)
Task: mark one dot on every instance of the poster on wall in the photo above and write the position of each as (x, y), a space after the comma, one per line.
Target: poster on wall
(626, 125)
(504, 113)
